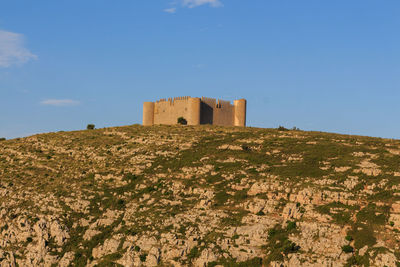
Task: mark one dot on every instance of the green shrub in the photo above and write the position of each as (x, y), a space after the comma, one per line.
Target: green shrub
(182, 121)
(221, 198)
(291, 225)
(194, 253)
(109, 259)
(348, 238)
(279, 244)
(363, 236)
(245, 148)
(240, 195)
(2, 139)
(347, 249)
(281, 128)
(373, 214)
(255, 262)
(357, 260)
(289, 247)
(143, 257)
(90, 127)
(271, 232)
(129, 177)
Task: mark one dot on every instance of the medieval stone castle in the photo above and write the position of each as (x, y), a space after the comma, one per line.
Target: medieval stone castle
(195, 111)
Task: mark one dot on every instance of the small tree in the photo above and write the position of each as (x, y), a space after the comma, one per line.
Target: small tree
(90, 127)
(2, 139)
(182, 121)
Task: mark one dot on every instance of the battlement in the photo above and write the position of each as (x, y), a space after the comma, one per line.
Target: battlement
(181, 98)
(196, 111)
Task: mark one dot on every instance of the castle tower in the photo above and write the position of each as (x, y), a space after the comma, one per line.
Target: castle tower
(239, 112)
(194, 111)
(148, 113)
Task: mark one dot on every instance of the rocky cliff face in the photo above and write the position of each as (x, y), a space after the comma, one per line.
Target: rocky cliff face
(199, 196)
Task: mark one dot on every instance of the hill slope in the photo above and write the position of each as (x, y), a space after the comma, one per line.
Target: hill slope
(202, 196)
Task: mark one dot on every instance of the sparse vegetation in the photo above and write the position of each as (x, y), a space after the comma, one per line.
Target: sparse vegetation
(174, 194)
(279, 244)
(291, 226)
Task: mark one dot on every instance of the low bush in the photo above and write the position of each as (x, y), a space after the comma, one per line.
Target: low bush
(347, 249)
(348, 238)
(291, 225)
(194, 253)
(90, 127)
(182, 121)
(143, 257)
(281, 128)
(357, 260)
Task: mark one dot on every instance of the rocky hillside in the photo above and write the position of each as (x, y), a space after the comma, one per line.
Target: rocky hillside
(199, 196)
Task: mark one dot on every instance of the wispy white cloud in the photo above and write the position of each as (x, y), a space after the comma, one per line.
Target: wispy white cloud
(12, 50)
(196, 3)
(191, 4)
(170, 10)
(60, 102)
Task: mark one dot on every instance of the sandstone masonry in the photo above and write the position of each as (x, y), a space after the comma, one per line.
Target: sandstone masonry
(196, 111)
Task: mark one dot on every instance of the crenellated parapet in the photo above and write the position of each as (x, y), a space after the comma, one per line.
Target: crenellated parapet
(195, 110)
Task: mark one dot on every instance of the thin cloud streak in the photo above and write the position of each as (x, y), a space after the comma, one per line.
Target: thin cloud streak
(171, 10)
(12, 50)
(196, 3)
(60, 102)
(192, 4)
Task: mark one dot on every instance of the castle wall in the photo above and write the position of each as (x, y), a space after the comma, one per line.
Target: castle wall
(196, 111)
(168, 111)
(223, 113)
(217, 112)
(207, 110)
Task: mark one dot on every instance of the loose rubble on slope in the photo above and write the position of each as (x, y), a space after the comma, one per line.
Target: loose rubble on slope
(199, 196)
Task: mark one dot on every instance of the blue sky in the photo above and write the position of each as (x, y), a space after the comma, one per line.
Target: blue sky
(318, 65)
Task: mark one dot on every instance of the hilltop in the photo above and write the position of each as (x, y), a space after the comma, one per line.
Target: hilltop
(199, 195)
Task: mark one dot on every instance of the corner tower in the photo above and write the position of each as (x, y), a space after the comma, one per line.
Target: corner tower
(148, 113)
(239, 118)
(194, 111)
